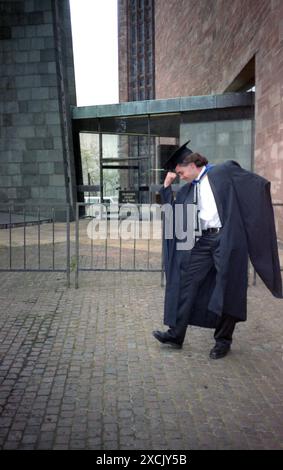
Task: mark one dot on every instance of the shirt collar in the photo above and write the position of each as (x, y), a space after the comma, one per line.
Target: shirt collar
(200, 174)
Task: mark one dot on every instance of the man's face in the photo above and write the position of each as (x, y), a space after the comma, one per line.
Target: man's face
(188, 172)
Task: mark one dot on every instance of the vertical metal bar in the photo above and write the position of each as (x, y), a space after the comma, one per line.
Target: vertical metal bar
(106, 247)
(77, 247)
(25, 258)
(91, 242)
(148, 250)
(68, 266)
(148, 241)
(10, 238)
(100, 162)
(101, 182)
(38, 236)
(162, 251)
(134, 261)
(53, 238)
(156, 178)
(120, 244)
(149, 155)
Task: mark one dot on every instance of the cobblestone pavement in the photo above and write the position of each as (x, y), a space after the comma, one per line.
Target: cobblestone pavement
(79, 369)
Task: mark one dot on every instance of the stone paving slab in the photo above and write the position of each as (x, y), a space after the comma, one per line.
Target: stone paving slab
(79, 369)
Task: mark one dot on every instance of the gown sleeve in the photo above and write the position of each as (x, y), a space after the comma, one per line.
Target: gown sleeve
(254, 199)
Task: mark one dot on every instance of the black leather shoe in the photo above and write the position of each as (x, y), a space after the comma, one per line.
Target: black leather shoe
(166, 338)
(219, 350)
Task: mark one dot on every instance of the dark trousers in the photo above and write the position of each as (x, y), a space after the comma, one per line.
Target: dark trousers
(194, 268)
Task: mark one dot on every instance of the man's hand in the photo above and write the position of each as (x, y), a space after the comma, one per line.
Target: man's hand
(170, 177)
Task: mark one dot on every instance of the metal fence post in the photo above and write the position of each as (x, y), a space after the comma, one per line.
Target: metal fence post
(162, 251)
(38, 238)
(68, 267)
(77, 247)
(10, 238)
(25, 259)
(53, 238)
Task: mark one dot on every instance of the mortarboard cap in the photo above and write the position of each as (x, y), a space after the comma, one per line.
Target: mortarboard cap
(178, 157)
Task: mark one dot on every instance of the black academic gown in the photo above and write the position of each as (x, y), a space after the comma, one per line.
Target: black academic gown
(244, 205)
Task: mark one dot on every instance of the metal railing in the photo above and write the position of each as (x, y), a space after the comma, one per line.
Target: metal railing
(23, 249)
(116, 254)
(24, 242)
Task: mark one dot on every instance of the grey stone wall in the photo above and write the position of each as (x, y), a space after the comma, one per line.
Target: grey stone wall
(37, 88)
(222, 140)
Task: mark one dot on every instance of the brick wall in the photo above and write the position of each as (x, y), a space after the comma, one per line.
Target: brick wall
(201, 46)
(36, 90)
(123, 49)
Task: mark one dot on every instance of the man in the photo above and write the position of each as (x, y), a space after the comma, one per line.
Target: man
(207, 285)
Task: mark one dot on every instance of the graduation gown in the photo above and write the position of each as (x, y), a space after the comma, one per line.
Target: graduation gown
(248, 230)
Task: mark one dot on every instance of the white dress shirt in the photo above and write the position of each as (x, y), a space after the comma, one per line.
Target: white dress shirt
(208, 212)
